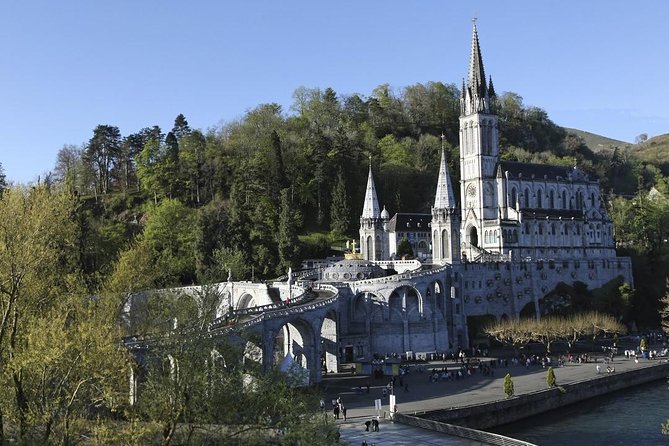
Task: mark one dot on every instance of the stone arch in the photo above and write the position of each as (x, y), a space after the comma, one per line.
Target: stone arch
(472, 235)
(476, 325)
(329, 346)
(297, 338)
(369, 254)
(246, 301)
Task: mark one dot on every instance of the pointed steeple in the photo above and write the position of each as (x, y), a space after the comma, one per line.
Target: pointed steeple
(371, 206)
(476, 97)
(444, 199)
(476, 81)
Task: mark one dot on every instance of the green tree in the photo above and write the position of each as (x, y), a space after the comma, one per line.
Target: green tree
(287, 242)
(508, 386)
(404, 249)
(170, 232)
(102, 153)
(550, 377)
(50, 336)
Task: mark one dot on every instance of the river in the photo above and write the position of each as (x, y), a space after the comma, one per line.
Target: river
(628, 417)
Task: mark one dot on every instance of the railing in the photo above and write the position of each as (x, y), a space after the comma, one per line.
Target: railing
(460, 431)
(281, 312)
(483, 255)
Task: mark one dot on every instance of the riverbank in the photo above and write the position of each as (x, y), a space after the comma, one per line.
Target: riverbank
(424, 396)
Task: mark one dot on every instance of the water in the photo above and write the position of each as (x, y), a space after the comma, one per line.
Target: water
(628, 417)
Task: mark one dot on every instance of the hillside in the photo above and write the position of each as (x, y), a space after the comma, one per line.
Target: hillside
(598, 143)
(655, 150)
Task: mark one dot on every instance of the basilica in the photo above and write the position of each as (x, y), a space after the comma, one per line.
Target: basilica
(506, 210)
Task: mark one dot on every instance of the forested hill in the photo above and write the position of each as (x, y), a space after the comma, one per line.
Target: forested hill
(259, 194)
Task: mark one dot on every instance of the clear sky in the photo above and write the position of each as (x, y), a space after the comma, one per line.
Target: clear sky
(67, 66)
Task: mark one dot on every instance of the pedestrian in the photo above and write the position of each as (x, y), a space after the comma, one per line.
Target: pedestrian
(343, 412)
(336, 412)
(322, 404)
(375, 424)
(367, 423)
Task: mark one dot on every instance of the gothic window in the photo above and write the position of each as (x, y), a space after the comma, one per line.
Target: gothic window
(445, 246)
(515, 236)
(564, 199)
(540, 194)
(527, 198)
(527, 228)
(370, 245)
(514, 197)
(552, 200)
(553, 231)
(541, 228)
(495, 237)
(592, 199)
(490, 136)
(579, 200)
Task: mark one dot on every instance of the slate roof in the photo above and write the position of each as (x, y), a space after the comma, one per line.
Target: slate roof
(552, 214)
(410, 223)
(528, 171)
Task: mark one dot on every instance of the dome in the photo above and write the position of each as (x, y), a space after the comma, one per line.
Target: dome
(350, 270)
(385, 214)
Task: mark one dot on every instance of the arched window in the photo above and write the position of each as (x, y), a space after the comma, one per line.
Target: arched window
(527, 198)
(592, 199)
(553, 230)
(514, 197)
(490, 136)
(564, 199)
(541, 228)
(495, 237)
(515, 236)
(527, 228)
(445, 245)
(540, 194)
(552, 200)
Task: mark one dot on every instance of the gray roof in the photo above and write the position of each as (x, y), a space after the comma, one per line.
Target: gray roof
(410, 223)
(528, 171)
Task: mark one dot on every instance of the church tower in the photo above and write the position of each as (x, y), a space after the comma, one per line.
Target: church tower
(445, 218)
(373, 225)
(479, 155)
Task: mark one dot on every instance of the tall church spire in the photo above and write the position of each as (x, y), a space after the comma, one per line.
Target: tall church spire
(476, 81)
(371, 206)
(476, 97)
(444, 198)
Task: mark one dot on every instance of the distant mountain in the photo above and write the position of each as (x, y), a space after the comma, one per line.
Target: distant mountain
(598, 143)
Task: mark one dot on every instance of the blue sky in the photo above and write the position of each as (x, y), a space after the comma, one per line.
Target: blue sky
(67, 66)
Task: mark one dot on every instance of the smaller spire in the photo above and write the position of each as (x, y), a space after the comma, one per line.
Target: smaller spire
(444, 198)
(371, 206)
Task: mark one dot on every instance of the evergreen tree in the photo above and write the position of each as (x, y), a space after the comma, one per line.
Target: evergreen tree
(340, 210)
(550, 377)
(288, 244)
(508, 386)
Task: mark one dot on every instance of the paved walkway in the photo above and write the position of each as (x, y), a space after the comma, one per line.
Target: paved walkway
(424, 395)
